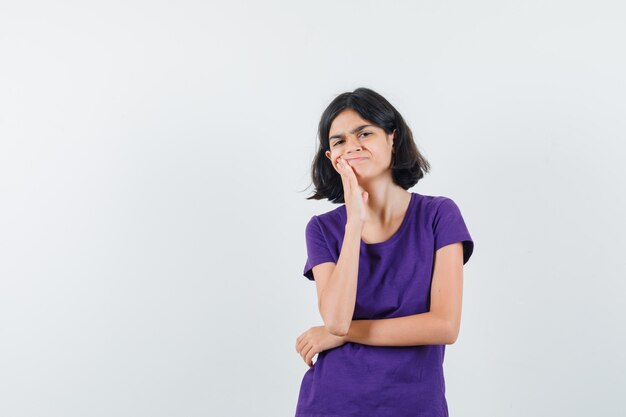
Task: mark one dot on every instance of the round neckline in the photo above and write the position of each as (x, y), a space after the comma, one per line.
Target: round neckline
(399, 232)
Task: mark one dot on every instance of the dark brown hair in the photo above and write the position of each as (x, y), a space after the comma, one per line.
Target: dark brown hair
(408, 165)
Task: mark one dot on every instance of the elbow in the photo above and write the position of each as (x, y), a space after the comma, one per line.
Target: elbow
(334, 326)
(336, 330)
(452, 333)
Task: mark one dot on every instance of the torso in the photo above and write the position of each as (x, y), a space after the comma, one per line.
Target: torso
(394, 280)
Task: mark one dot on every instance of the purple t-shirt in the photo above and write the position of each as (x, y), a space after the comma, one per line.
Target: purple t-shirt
(394, 280)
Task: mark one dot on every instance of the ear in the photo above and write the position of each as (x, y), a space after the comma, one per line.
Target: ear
(327, 153)
(393, 136)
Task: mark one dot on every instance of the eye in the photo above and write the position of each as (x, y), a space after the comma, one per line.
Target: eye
(338, 141)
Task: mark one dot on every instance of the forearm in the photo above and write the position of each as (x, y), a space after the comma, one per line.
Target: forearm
(338, 298)
(418, 329)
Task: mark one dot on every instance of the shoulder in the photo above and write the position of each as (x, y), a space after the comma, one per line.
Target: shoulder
(435, 209)
(332, 220)
(432, 204)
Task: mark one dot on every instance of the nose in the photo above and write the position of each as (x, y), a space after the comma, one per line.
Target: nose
(352, 143)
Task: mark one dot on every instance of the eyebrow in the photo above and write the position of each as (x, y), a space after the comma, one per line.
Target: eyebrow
(356, 129)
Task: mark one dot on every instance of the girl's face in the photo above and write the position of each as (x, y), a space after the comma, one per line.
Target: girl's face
(365, 147)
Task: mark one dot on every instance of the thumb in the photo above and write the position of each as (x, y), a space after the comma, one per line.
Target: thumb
(365, 196)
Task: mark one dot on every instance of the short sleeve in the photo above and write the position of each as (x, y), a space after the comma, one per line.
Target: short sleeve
(317, 247)
(449, 227)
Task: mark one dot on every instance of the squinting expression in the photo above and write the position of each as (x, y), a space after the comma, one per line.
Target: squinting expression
(364, 146)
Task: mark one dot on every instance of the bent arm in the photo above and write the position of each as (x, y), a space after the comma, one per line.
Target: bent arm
(418, 329)
(338, 297)
(440, 325)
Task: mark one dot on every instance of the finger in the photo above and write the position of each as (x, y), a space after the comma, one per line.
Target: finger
(348, 171)
(349, 175)
(298, 340)
(299, 345)
(309, 358)
(340, 166)
(304, 353)
(348, 168)
(343, 171)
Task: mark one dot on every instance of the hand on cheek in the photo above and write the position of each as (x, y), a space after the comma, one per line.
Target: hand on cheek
(341, 164)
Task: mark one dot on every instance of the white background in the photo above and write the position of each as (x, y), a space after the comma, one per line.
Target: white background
(153, 163)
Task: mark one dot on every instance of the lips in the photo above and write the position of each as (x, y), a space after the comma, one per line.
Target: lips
(356, 159)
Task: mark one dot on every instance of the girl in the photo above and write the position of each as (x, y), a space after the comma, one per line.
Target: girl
(388, 268)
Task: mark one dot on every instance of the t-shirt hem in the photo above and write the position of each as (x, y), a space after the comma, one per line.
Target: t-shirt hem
(314, 262)
(465, 239)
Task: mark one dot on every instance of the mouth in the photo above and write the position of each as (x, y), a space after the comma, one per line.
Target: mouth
(356, 159)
